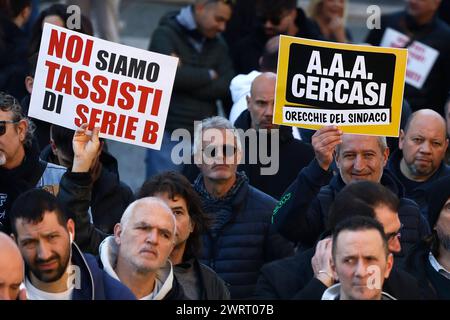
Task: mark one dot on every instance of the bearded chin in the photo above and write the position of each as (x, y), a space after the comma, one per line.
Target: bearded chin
(444, 239)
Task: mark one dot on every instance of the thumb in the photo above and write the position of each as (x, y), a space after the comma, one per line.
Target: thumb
(95, 133)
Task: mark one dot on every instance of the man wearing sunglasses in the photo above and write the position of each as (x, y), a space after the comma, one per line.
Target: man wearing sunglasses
(20, 166)
(205, 70)
(275, 18)
(241, 237)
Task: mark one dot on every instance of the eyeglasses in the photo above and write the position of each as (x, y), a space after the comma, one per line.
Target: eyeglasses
(3, 125)
(211, 151)
(392, 235)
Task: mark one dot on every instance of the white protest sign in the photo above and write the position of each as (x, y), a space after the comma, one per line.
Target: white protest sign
(421, 57)
(123, 90)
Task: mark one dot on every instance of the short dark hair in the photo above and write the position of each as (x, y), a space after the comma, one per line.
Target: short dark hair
(9, 103)
(371, 193)
(32, 64)
(31, 206)
(359, 223)
(175, 184)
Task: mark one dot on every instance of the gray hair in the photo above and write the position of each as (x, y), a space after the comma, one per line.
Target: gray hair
(149, 203)
(213, 123)
(382, 143)
(9, 103)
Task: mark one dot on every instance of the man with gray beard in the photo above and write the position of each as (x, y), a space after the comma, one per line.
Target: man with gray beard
(429, 261)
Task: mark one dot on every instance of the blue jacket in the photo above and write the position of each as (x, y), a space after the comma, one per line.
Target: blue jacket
(302, 213)
(417, 194)
(94, 283)
(244, 241)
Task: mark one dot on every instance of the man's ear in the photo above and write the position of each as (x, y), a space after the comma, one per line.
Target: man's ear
(29, 83)
(401, 139)
(22, 128)
(389, 265)
(386, 156)
(71, 228)
(336, 158)
(53, 146)
(333, 270)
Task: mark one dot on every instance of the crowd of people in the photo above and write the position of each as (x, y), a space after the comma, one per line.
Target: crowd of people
(343, 216)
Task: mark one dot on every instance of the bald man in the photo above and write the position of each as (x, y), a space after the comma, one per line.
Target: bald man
(419, 160)
(260, 102)
(138, 253)
(11, 270)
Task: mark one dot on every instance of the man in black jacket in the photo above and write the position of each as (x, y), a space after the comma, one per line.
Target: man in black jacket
(302, 213)
(277, 17)
(272, 140)
(429, 261)
(109, 195)
(55, 267)
(420, 23)
(20, 166)
(420, 158)
(308, 274)
(241, 237)
(204, 70)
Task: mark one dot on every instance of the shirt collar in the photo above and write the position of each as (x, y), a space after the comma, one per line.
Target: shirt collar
(438, 267)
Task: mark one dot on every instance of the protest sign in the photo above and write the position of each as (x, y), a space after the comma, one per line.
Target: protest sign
(358, 88)
(81, 79)
(421, 58)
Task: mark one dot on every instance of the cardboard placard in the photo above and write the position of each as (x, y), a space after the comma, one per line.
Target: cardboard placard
(358, 88)
(123, 90)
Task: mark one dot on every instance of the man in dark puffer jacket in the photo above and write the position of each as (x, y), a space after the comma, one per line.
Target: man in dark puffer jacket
(241, 238)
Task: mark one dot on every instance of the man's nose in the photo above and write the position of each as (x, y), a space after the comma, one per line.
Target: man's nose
(359, 163)
(361, 269)
(152, 236)
(44, 251)
(425, 147)
(268, 111)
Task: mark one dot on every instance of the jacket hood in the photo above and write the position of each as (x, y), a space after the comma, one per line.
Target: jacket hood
(241, 84)
(332, 293)
(164, 277)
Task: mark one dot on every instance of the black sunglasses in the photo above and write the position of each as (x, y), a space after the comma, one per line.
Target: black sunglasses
(212, 151)
(3, 125)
